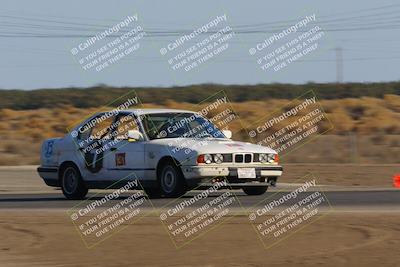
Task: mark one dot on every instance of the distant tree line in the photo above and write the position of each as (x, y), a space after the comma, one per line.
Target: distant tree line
(102, 94)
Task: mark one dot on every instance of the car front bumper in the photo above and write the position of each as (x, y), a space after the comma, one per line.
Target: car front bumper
(191, 172)
(205, 176)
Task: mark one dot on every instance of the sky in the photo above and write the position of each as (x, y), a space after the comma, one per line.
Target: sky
(357, 42)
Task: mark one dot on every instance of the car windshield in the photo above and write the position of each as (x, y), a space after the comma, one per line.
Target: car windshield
(174, 125)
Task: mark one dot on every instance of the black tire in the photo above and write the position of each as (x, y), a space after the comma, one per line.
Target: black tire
(255, 191)
(72, 184)
(171, 180)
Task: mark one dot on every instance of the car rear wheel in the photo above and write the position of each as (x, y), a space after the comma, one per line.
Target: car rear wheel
(171, 180)
(255, 191)
(71, 183)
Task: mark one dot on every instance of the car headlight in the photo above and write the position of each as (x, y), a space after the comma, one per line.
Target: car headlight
(271, 158)
(218, 158)
(263, 158)
(208, 158)
(267, 158)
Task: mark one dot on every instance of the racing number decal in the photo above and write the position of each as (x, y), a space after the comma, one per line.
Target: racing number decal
(94, 161)
(120, 159)
(49, 148)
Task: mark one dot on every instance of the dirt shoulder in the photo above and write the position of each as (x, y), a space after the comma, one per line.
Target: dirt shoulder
(49, 239)
(374, 175)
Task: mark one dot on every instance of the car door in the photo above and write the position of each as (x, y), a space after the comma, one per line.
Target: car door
(92, 142)
(126, 159)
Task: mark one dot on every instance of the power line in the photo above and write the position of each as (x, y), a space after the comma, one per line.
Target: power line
(337, 23)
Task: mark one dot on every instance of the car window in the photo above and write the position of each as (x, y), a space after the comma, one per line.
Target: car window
(173, 125)
(152, 124)
(84, 133)
(97, 128)
(101, 128)
(124, 124)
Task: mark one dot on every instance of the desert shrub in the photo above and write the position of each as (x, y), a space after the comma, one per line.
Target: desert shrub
(367, 116)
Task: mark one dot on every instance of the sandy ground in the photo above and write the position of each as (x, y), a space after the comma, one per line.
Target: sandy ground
(44, 238)
(375, 175)
(47, 237)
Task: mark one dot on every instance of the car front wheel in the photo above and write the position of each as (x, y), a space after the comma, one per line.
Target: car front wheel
(255, 191)
(172, 182)
(71, 183)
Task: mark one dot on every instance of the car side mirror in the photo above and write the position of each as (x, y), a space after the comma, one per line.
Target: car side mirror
(227, 133)
(134, 135)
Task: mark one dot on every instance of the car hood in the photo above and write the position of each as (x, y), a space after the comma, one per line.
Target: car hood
(213, 145)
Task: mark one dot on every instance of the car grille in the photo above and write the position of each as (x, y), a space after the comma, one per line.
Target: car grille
(227, 157)
(243, 158)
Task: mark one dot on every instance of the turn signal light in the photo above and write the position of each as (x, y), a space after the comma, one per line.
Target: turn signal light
(205, 158)
(396, 181)
(200, 159)
(276, 158)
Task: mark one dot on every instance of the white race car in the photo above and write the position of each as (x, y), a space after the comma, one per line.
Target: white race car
(168, 151)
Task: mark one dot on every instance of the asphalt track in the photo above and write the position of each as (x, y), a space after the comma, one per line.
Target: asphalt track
(362, 200)
(21, 188)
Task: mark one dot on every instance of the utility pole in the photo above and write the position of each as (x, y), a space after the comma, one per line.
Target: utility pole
(339, 64)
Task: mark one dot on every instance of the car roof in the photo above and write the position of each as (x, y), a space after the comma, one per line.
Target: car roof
(156, 110)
